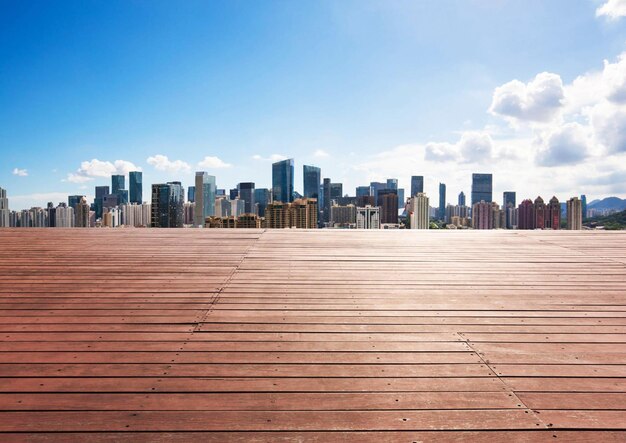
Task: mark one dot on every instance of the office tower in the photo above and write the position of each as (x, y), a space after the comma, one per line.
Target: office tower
(368, 217)
(246, 193)
(508, 201)
(135, 181)
(362, 191)
(482, 188)
(392, 183)
(218, 192)
(388, 203)
(375, 187)
(4, 209)
(418, 217)
(312, 180)
(205, 197)
(441, 213)
(122, 197)
(74, 200)
(233, 193)
(191, 194)
(365, 200)
(343, 216)
(98, 203)
(574, 214)
(553, 214)
(539, 210)
(109, 201)
(525, 215)
(401, 201)
(482, 215)
(282, 181)
(462, 198)
(583, 201)
(327, 200)
(262, 197)
(81, 212)
(117, 183)
(167, 205)
(417, 185)
(51, 210)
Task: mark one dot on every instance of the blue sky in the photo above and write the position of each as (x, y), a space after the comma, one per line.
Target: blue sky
(363, 89)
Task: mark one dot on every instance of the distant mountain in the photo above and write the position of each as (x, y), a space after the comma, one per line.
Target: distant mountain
(609, 203)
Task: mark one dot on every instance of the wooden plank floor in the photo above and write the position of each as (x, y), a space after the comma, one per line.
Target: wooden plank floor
(354, 336)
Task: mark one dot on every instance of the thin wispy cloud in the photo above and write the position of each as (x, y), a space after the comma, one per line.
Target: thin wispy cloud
(20, 172)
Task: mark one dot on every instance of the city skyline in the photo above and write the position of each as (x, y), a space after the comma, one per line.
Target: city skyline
(174, 99)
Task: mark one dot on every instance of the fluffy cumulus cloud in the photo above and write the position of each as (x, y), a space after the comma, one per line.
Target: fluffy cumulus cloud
(163, 163)
(213, 163)
(91, 169)
(440, 152)
(612, 9)
(20, 172)
(537, 101)
(566, 145)
(473, 147)
(609, 125)
(271, 158)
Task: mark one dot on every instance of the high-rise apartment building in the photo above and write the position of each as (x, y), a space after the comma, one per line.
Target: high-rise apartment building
(540, 213)
(574, 214)
(64, 216)
(167, 205)
(342, 215)
(487, 215)
(388, 203)
(441, 213)
(205, 197)
(368, 217)
(135, 179)
(482, 188)
(74, 200)
(81, 211)
(526, 215)
(246, 194)
(282, 181)
(303, 213)
(4, 209)
(419, 208)
(508, 201)
(553, 214)
(417, 185)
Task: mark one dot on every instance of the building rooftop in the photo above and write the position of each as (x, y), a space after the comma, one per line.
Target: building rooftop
(321, 335)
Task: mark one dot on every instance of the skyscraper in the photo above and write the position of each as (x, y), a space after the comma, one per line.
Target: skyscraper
(583, 201)
(462, 198)
(388, 202)
(4, 209)
(74, 200)
(282, 181)
(98, 203)
(482, 188)
(417, 185)
(508, 201)
(441, 213)
(262, 197)
(553, 214)
(246, 193)
(392, 183)
(375, 187)
(525, 215)
(167, 205)
(368, 217)
(540, 212)
(205, 197)
(574, 214)
(135, 179)
(362, 191)
(419, 211)
(117, 183)
(312, 180)
(191, 194)
(81, 213)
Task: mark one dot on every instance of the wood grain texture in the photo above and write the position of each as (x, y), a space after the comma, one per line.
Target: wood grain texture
(322, 335)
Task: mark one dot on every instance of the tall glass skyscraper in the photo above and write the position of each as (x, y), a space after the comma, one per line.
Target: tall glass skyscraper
(262, 198)
(167, 205)
(98, 202)
(442, 201)
(246, 193)
(312, 176)
(135, 179)
(117, 183)
(205, 197)
(392, 183)
(417, 185)
(482, 188)
(362, 191)
(508, 202)
(282, 181)
(462, 198)
(191, 194)
(4, 209)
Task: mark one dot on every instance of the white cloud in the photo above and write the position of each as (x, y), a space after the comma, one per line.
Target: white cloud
(537, 101)
(271, 158)
(566, 145)
(213, 163)
(612, 9)
(474, 146)
(97, 168)
(320, 153)
(20, 172)
(440, 152)
(162, 163)
(609, 126)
